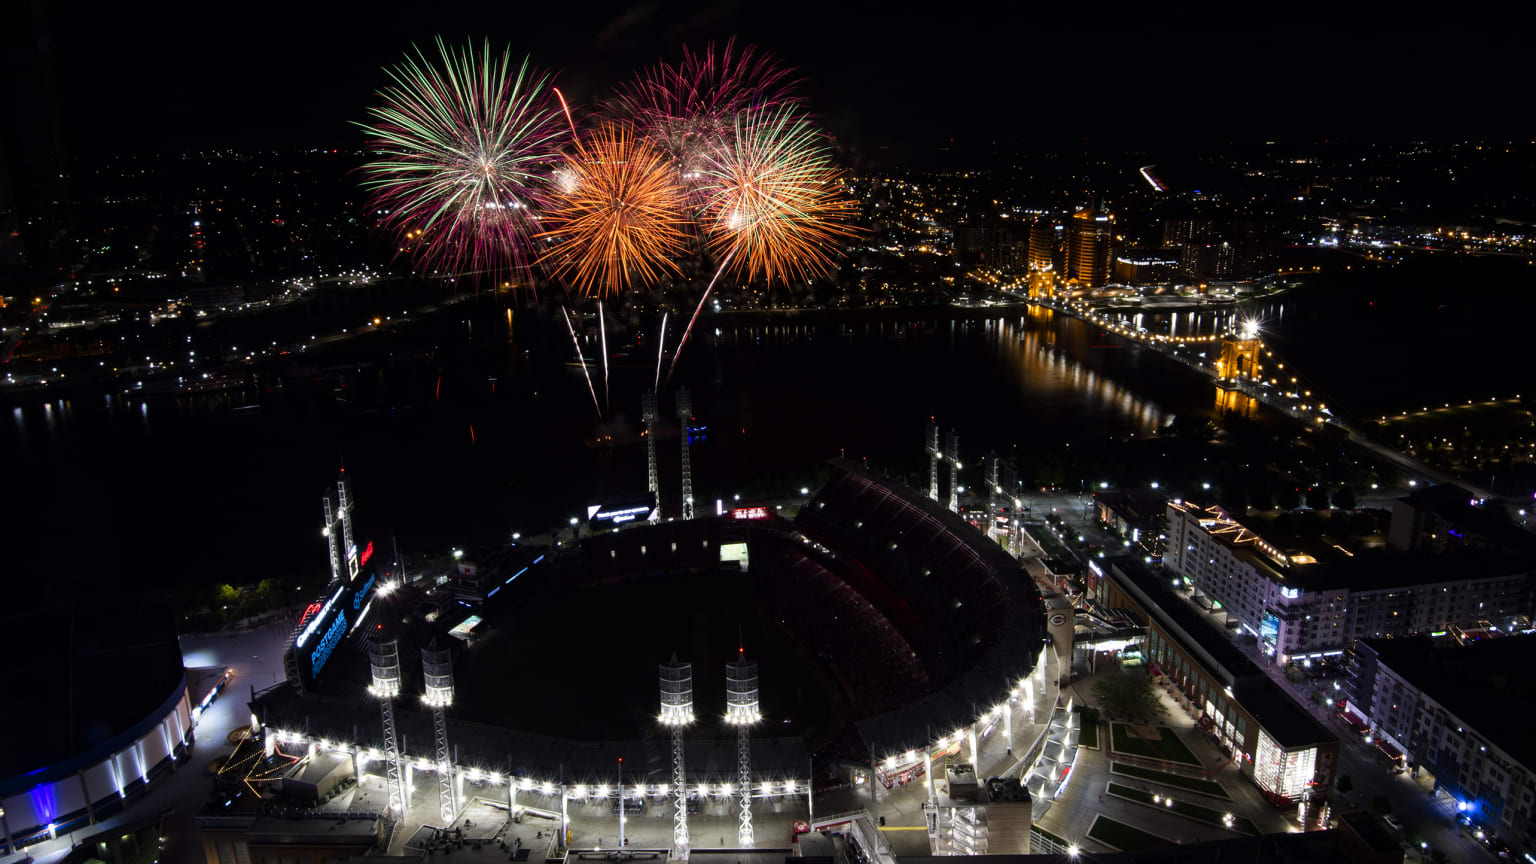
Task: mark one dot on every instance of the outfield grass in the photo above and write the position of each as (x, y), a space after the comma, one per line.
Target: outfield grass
(1184, 808)
(1152, 775)
(1124, 837)
(1168, 747)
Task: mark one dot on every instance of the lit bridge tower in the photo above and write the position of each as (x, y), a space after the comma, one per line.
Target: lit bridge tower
(684, 414)
(935, 453)
(384, 659)
(653, 477)
(741, 711)
(437, 674)
(952, 452)
(677, 712)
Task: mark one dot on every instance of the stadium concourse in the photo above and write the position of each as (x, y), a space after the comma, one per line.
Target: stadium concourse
(929, 638)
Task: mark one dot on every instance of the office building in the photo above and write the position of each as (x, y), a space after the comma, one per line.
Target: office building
(1042, 246)
(1146, 266)
(1090, 236)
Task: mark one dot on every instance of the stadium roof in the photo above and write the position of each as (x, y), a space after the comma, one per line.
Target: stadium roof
(84, 670)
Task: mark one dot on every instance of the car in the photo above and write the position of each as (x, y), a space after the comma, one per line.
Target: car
(1396, 823)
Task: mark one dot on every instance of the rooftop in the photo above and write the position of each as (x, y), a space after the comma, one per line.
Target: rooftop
(1467, 679)
(1281, 717)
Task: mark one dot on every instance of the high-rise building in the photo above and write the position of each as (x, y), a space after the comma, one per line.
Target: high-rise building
(1089, 236)
(1177, 232)
(1042, 246)
(1209, 260)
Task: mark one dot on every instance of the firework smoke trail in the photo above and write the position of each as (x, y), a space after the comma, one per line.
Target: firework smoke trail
(583, 361)
(602, 333)
(661, 343)
(700, 308)
(458, 145)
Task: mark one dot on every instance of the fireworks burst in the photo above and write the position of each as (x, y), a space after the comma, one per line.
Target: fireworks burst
(687, 109)
(774, 203)
(615, 213)
(459, 146)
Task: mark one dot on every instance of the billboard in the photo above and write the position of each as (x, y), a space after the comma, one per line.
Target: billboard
(323, 628)
(622, 509)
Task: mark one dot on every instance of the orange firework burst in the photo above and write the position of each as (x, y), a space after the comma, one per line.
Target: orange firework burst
(615, 214)
(774, 207)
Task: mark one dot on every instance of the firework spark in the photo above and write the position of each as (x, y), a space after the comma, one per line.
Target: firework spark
(615, 213)
(459, 147)
(687, 109)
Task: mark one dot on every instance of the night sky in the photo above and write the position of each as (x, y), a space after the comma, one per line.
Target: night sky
(146, 76)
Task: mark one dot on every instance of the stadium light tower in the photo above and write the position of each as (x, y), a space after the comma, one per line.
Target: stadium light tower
(384, 659)
(989, 471)
(935, 453)
(742, 711)
(437, 674)
(684, 414)
(653, 477)
(677, 712)
(952, 449)
(333, 537)
(344, 499)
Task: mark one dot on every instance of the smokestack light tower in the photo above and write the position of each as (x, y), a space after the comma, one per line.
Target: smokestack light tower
(437, 674)
(384, 660)
(677, 712)
(742, 710)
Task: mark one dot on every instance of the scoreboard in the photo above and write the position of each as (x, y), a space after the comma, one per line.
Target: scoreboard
(345, 607)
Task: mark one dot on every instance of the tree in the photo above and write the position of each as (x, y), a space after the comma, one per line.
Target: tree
(1127, 694)
(1344, 499)
(1317, 497)
(1346, 783)
(1293, 673)
(1288, 498)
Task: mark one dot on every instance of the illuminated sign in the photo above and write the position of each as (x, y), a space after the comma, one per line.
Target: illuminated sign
(310, 610)
(315, 624)
(626, 515)
(367, 553)
(328, 644)
(357, 599)
(733, 552)
(625, 508)
(1269, 628)
(750, 513)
